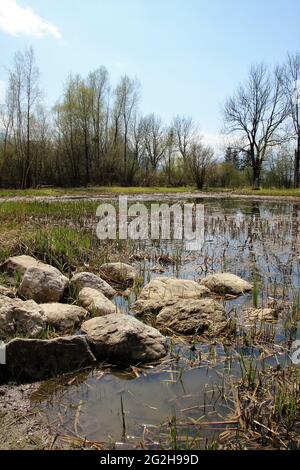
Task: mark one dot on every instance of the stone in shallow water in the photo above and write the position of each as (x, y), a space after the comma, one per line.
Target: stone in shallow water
(85, 279)
(120, 274)
(95, 302)
(166, 288)
(164, 291)
(18, 317)
(37, 359)
(124, 339)
(226, 283)
(43, 283)
(261, 314)
(189, 317)
(63, 317)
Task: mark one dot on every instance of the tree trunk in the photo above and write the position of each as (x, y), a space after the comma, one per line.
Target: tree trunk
(297, 164)
(256, 175)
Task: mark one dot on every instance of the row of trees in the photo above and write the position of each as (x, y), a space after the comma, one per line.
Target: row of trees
(95, 134)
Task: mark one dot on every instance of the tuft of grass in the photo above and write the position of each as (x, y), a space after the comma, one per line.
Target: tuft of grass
(249, 372)
(255, 293)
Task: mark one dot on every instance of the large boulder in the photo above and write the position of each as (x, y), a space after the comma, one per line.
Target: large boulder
(43, 283)
(63, 317)
(119, 274)
(226, 283)
(37, 359)
(20, 318)
(166, 288)
(124, 339)
(95, 302)
(164, 291)
(18, 264)
(7, 292)
(85, 279)
(203, 316)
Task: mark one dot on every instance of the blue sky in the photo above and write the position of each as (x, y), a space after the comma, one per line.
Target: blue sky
(188, 54)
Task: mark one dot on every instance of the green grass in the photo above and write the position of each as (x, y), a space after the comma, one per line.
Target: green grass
(92, 191)
(99, 190)
(268, 192)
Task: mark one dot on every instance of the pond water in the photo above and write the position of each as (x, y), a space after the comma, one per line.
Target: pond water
(188, 396)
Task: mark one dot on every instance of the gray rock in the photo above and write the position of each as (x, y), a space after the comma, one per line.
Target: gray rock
(20, 318)
(39, 359)
(265, 314)
(226, 283)
(189, 317)
(124, 339)
(166, 288)
(81, 280)
(7, 292)
(164, 291)
(120, 274)
(63, 317)
(43, 283)
(95, 302)
(18, 264)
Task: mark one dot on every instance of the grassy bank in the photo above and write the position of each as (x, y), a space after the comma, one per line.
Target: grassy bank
(99, 190)
(92, 191)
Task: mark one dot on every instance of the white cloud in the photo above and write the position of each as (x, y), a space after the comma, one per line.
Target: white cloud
(218, 142)
(215, 140)
(2, 91)
(16, 20)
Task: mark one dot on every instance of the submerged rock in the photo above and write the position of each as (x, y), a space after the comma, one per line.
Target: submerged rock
(85, 279)
(7, 292)
(43, 283)
(226, 283)
(124, 339)
(261, 314)
(20, 318)
(120, 274)
(63, 317)
(164, 291)
(35, 359)
(166, 288)
(95, 302)
(189, 317)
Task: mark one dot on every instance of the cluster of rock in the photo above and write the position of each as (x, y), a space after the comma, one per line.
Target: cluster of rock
(97, 330)
(187, 307)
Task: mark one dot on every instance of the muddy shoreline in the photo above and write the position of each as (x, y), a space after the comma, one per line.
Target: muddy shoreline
(21, 424)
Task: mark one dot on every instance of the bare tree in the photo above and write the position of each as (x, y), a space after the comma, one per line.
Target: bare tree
(68, 129)
(22, 97)
(184, 134)
(257, 113)
(170, 147)
(98, 83)
(126, 102)
(200, 159)
(136, 147)
(155, 140)
(292, 90)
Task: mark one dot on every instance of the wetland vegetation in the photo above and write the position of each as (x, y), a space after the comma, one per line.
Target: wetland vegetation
(236, 392)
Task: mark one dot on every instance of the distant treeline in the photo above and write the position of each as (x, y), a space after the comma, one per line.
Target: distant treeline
(97, 135)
